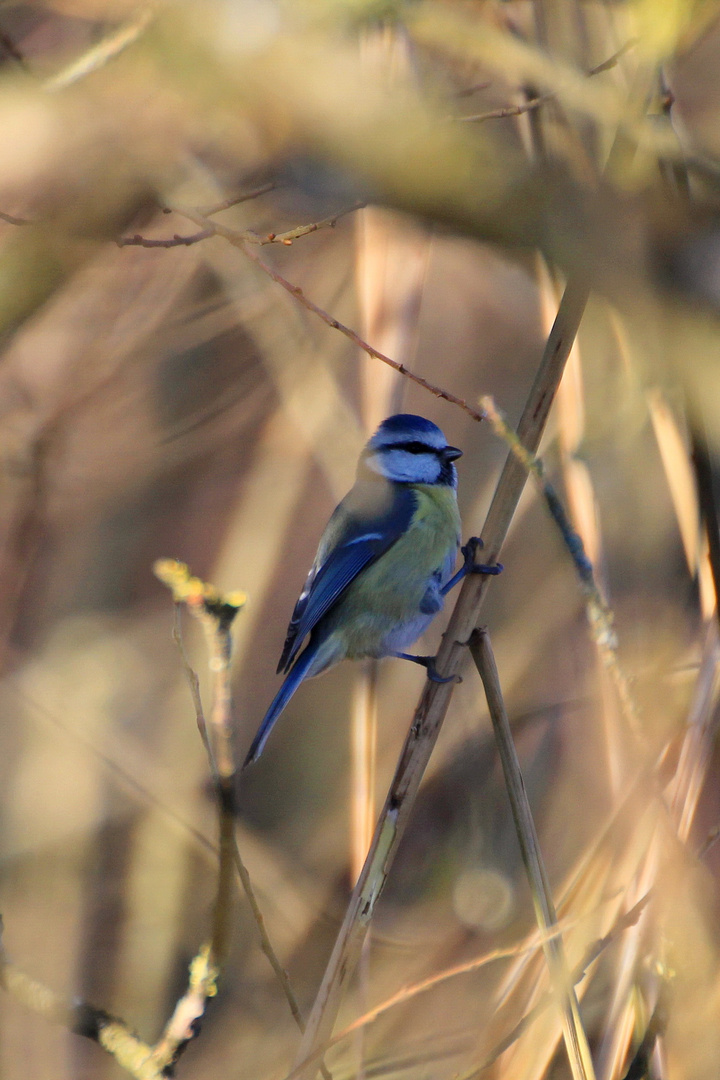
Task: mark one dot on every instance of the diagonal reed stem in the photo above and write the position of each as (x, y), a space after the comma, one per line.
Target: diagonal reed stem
(576, 1042)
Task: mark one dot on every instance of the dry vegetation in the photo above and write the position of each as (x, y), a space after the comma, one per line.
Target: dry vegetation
(217, 219)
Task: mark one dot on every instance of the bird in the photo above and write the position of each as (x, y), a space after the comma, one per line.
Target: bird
(384, 562)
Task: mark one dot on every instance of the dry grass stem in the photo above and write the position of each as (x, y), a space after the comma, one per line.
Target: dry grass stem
(576, 1043)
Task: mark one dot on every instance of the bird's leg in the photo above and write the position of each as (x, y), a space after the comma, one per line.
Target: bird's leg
(470, 566)
(428, 662)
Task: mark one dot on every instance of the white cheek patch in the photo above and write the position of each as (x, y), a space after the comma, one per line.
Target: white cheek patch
(405, 467)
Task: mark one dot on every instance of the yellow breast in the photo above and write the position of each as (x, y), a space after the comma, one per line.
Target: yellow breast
(389, 592)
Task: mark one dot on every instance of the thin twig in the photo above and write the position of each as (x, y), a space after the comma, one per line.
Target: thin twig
(576, 1043)
(435, 698)
(302, 230)
(176, 575)
(186, 241)
(248, 235)
(234, 200)
(215, 614)
(239, 241)
(612, 61)
(535, 102)
(193, 683)
(174, 241)
(468, 91)
(508, 110)
(109, 1032)
(600, 616)
(11, 220)
(182, 1026)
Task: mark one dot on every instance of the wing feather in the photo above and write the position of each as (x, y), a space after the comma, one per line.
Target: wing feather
(368, 521)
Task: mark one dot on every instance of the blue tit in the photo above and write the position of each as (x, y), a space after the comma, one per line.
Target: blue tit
(384, 563)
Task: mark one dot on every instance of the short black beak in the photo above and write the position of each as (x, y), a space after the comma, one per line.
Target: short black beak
(451, 452)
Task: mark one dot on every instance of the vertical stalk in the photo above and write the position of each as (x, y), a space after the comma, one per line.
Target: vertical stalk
(576, 1042)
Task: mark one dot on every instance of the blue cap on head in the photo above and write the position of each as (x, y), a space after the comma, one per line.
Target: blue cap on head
(406, 427)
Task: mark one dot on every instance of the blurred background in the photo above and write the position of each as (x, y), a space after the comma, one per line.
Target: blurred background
(176, 401)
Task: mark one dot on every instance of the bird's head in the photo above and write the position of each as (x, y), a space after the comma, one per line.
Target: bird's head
(410, 450)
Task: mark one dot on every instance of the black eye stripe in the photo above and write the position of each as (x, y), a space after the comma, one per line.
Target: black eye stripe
(411, 447)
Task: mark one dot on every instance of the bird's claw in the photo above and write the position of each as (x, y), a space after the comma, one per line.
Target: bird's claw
(469, 551)
(434, 675)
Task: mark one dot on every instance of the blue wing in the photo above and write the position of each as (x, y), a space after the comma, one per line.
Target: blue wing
(369, 520)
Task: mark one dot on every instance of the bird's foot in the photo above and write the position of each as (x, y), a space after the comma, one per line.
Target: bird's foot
(469, 566)
(428, 662)
(470, 551)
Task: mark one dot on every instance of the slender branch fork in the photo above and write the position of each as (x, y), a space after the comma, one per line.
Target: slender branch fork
(216, 612)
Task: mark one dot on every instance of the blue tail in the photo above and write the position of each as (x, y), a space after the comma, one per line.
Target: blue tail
(293, 679)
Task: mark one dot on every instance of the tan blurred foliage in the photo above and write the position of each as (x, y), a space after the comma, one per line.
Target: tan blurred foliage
(175, 402)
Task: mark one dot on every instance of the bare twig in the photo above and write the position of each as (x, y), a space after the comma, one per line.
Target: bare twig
(174, 241)
(302, 230)
(234, 200)
(11, 220)
(435, 698)
(508, 110)
(247, 235)
(468, 91)
(612, 61)
(112, 1034)
(239, 241)
(213, 208)
(215, 614)
(535, 102)
(214, 611)
(576, 1043)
